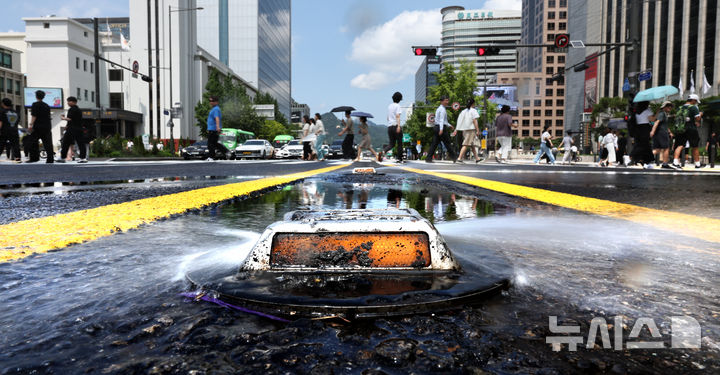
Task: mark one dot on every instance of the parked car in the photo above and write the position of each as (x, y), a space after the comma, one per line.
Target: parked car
(255, 148)
(232, 138)
(292, 149)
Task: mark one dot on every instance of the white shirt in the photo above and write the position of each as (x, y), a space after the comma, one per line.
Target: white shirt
(465, 120)
(545, 136)
(310, 135)
(393, 112)
(643, 117)
(609, 141)
(319, 127)
(441, 116)
(567, 142)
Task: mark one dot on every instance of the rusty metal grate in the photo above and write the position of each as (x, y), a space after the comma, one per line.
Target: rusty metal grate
(350, 250)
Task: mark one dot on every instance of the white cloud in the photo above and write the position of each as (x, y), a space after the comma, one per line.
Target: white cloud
(343, 29)
(503, 4)
(386, 48)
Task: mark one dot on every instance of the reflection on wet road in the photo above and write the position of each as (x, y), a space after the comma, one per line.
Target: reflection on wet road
(112, 305)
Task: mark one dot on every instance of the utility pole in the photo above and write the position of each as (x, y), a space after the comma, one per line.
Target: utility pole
(97, 74)
(157, 69)
(633, 52)
(150, 90)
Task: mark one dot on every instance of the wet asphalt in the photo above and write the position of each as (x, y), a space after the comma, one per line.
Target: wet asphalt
(505, 335)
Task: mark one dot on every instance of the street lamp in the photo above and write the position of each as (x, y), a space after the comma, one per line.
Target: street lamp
(170, 123)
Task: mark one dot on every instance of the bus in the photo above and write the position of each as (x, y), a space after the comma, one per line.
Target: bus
(231, 138)
(281, 140)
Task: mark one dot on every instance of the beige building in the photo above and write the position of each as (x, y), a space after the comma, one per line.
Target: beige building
(541, 100)
(12, 80)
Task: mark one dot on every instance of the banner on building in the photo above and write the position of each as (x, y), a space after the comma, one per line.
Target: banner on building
(591, 89)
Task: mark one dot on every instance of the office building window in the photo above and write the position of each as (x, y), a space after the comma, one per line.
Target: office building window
(563, 15)
(91, 68)
(551, 4)
(526, 112)
(551, 37)
(561, 92)
(551, 15)
(560, 102)
(526, 132)
(46, 25)
(78, 93)
(116, 100)
(562, 26)
(559, 112)
(549, 81)
(559, 123)
(115, 74)
(92, 96)
(6, 60)
(536, 132)
(558, 132)
(17, 87)
(77, 63)
(563, 3)
(9, 86)
(549, 70)
(2, 85)
(551, 26)
(548, 92)
(561, 59)
(526, 122)
(548, 102)
(538, 102)
(548, 112)
(550, 59)
(526, 103)
(548, 122)
(536, 123)
(86, 95)
(537, 113)
(85, 65)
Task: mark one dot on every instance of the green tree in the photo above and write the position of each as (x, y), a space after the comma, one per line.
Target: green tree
(459, 86)
(265, 98)
(608, 107)
(271, 129)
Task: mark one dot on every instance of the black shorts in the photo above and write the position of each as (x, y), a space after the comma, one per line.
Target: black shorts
(690, 135)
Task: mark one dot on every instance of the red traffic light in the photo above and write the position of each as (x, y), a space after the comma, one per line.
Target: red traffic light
(487, 51)
(425, 51)
(627, 117)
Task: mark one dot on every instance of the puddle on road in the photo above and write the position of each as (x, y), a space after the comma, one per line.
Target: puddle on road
(108, 293)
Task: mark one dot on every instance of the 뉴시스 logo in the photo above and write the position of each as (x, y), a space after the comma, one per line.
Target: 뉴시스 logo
(685, 333)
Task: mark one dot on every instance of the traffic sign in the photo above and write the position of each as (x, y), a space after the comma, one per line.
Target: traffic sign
(626, 85)
(484, 133)
(562, 40)
(456, 106)
(645, 75)
(135, 66)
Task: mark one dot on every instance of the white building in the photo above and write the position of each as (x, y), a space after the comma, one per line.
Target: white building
(464, 29)
(12, 80)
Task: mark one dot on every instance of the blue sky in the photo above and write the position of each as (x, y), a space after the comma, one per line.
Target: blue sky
(347, 52)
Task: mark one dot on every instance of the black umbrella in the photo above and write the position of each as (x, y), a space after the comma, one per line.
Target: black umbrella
(342, 108)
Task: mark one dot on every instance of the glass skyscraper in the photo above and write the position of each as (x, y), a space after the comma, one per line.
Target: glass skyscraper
(253, 38)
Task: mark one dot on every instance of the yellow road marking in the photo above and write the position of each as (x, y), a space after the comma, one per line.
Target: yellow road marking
(23, 238)
(689, 225)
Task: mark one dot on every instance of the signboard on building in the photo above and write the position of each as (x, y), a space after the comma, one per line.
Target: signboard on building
(591, 92)
(53, 96)
(508, 93)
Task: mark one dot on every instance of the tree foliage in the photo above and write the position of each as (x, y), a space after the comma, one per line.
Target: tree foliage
(459, 86)
(237, 107)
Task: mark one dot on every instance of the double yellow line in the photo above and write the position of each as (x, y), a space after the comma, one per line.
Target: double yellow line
(688, 225)
(23, 238)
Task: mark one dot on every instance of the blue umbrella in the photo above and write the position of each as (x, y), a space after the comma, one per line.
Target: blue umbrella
(361, 114)
(655, 93)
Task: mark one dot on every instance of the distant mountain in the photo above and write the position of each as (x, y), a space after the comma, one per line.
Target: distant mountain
(378, 133)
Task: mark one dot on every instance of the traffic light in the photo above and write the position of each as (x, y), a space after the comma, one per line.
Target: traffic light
(419, 51)
(487, 51)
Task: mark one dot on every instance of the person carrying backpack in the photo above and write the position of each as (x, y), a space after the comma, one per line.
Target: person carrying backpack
(685, 128)
(9, 130)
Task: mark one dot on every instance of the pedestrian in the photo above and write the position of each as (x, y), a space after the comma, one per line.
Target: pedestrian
(661, 135)
(468, 125)
(642, 151)
(320, 135)
(349, 140)
(503, 133)
(567, 143)
(394, 129)
(214, 127)
(687, 120)
(73, 132)
(366, 142)
(418, 148)
(545, 146)
(621, 149)
(712, 147)
(442, 131)
(610, 143)
(307, 138)
(40, 127)
(9, 139)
